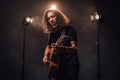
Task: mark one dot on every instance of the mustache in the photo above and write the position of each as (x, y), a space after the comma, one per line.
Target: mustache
(53, 23)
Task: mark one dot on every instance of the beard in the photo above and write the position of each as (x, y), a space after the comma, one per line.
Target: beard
(54, 25)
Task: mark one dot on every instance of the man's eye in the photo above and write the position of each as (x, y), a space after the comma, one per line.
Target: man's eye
(48, 18)
(52, 16)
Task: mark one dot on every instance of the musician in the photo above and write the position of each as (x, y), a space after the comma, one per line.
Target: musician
(56, 24)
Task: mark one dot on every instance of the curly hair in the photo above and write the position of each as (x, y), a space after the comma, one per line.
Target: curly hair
(62, 20)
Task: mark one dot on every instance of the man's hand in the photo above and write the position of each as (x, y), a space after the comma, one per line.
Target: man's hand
(45, 59)
(56, 49)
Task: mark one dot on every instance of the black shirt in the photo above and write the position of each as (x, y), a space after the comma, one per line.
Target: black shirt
(66, 59)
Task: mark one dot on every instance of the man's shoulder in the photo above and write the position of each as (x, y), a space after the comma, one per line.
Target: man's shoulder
(71, 28)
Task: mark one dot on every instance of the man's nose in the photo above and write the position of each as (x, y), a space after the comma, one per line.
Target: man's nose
(51, 20)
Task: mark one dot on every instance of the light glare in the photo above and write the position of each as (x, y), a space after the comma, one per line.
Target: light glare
(53, 7)
(95, 16)
(28, 19)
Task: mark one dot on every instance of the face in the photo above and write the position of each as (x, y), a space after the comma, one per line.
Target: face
(52, 19)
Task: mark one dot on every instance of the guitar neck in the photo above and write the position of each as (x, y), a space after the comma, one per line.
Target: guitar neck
(60, 40)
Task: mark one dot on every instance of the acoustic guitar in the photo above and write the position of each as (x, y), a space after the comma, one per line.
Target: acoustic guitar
(53, 60)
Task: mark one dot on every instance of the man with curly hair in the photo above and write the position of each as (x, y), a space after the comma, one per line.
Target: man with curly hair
(64, 60)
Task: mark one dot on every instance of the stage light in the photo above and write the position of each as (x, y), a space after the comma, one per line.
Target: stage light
(53, 7)
(97, 17)
(94, 16)
(27, 20)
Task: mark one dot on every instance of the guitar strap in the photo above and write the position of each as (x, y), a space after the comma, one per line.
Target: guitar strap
(62, 34)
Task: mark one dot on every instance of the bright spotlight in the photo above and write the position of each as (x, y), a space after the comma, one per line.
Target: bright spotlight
(27, 20)
(95, 17)
(53, 7)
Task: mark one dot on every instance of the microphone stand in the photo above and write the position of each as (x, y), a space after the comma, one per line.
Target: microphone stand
(25, 24)
(98, 49)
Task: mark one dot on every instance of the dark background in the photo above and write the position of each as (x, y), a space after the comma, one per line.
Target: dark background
(93, 59)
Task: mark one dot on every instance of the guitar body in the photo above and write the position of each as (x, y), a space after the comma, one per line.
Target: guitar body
(53, 66)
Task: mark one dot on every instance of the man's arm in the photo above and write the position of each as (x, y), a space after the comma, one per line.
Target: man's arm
(67, 49)
(72, 48)
(46, 54)
(47, 50)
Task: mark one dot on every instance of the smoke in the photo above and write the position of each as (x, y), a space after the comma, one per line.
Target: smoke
(37, 22)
